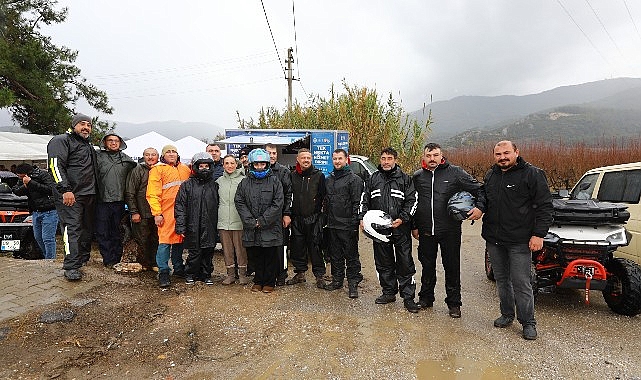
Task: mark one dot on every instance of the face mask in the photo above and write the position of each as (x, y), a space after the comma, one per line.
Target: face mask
(260, 174)
(204, 173)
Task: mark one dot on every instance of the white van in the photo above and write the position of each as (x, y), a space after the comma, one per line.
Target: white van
(619, 184)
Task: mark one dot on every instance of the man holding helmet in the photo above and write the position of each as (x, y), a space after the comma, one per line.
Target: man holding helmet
(259, 202)
(390, 190)
(435, 226)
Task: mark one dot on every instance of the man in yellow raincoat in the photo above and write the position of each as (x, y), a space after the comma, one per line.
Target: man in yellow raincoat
(164, 181)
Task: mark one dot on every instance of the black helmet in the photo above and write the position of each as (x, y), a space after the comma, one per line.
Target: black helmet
(460, 204)
(377, 225)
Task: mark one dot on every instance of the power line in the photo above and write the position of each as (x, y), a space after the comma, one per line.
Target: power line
(273, 39)
(228, 61)
(603, 26)
(584, 34)
(632, 19)
(196, 90)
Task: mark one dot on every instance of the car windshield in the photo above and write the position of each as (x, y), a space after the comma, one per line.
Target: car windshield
(370, 167)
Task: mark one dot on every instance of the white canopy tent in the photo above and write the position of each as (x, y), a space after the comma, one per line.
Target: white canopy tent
(188, 146)
(23, 147)
(137, 145)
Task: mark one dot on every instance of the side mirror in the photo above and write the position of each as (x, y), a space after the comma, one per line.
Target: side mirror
(564, 193)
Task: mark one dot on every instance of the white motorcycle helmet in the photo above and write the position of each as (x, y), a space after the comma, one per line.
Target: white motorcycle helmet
(377, 225)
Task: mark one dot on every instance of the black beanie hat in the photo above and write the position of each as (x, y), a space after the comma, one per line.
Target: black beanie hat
(77, 118)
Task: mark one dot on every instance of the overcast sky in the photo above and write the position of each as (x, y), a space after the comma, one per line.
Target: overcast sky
(204, 60)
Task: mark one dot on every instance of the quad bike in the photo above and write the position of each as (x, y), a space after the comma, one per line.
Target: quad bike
(16, 228)
(578, 254)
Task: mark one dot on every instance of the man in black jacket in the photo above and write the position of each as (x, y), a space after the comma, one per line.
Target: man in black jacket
(37, 185)
(435, 183)
(285, 175)
(72, 161)
(342, 202)
(392, 191)
(518, 213)
(214, 151)
(143, 225)
(308, 188)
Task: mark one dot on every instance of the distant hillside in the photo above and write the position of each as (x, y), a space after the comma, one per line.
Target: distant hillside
(567, 124)
(476, 112)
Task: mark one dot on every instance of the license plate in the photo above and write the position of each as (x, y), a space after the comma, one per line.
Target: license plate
(10, 245)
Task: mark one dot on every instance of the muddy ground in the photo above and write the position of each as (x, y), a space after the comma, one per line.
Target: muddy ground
(128, 328)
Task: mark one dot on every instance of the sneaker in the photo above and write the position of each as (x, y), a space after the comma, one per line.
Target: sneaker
(385, 298)
(189, 280)
(73, 275)
(297, 279)
(334, 285)
(529, 332)
(503, 321)
(455, 311)
(423, 304)
(353, 290)
(257, 288)
(268, 289)
(320, 282)
(208, 281)
(411, 306)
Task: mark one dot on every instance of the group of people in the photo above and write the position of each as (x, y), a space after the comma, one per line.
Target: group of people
(257, 208)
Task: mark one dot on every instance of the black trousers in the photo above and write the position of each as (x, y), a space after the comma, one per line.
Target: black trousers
(450, 243)
(146, 234)
(395, 265)
(343, 252)
(305, 241)
(108, 217)
(199, 263)
(265, 261)
(77, 223)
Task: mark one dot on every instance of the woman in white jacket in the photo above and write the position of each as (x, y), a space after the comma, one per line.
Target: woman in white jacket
(230, 227)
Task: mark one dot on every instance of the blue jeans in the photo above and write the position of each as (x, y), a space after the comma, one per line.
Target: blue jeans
(512, 264)
(176, 253)
(45, 224)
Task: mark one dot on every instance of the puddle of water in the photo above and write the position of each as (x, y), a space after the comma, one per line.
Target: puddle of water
(456, 368)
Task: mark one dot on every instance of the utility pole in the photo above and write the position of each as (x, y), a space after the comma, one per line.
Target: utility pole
(290, 78)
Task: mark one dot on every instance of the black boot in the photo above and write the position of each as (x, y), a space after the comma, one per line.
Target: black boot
(163, 279)
(334, 285)
(353, 289)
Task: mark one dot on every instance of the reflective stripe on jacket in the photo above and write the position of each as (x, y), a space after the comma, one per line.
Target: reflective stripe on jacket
(162, 187)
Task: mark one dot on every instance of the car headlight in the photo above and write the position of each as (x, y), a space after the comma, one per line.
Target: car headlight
(617, 238)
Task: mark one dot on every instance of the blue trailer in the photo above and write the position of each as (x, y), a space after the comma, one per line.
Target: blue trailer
(320, 142)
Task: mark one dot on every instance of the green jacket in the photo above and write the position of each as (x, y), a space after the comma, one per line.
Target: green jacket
(112, 168)
(228, 218)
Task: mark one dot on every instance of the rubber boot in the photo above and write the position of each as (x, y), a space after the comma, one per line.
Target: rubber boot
(231, 276)
(242, 276)
(163, 279)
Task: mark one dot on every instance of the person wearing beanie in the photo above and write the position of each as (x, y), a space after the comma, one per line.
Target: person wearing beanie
(243, 161)
(112, 167)
(72, 161)
(196, 212)
(37, 185)
(165, 179)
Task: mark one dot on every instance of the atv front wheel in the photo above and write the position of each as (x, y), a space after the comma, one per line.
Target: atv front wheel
(623, 291)
(489, 273)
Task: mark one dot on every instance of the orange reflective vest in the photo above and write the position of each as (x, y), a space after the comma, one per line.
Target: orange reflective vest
(163, 185)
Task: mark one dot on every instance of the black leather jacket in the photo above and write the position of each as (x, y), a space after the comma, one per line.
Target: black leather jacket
(39, 191)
